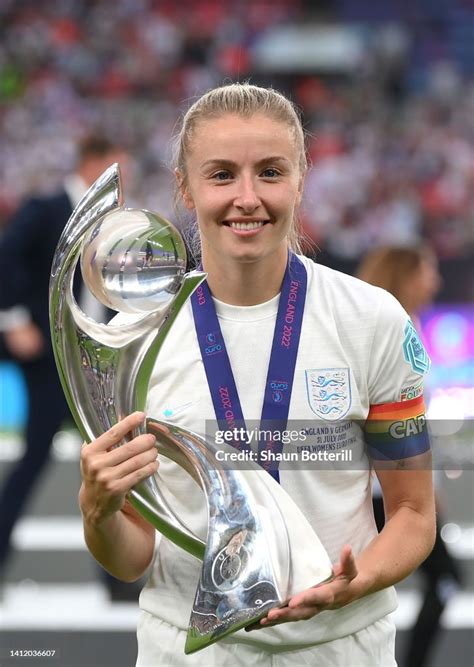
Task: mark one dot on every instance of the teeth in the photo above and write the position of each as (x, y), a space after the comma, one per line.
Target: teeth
(246, 225)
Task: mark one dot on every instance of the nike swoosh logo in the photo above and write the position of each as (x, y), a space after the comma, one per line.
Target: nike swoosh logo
(171, 412)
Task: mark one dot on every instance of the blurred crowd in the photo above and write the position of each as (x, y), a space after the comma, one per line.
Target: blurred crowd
(391, 172)
(390, 164)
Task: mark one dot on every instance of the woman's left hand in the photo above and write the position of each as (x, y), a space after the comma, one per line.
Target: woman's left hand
(332, 595)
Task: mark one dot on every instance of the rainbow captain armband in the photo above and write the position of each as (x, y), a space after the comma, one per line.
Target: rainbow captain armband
(397, 430)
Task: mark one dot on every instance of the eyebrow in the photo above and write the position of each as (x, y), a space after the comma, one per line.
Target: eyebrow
(217, 162)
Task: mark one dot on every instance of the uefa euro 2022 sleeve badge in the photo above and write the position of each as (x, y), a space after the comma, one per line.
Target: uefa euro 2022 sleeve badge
(414, 350)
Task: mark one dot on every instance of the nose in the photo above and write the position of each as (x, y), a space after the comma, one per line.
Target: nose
(247, 198)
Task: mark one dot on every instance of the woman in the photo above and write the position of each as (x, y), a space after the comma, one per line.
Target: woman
(412, 276)
(240, 169)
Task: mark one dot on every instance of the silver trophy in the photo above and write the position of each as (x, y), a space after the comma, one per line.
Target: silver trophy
(260, 548)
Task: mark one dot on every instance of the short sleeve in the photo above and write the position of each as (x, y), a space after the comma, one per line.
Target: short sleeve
(398, 359)
(396, 424)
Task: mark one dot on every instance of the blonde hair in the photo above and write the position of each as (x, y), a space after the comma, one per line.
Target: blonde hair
(242, 99)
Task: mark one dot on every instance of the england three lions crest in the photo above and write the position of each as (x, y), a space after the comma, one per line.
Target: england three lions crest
(329, 392)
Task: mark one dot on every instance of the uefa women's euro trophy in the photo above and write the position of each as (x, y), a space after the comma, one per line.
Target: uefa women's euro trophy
(260, 549)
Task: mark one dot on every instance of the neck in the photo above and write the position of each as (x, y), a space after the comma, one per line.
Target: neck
(245, 283)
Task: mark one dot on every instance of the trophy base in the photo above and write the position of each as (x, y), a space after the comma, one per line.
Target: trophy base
(198, 638)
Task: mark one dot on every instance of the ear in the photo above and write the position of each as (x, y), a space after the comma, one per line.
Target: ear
(184, 190)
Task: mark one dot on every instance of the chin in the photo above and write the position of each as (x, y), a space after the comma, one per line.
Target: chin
(252, 252)
(248, 255)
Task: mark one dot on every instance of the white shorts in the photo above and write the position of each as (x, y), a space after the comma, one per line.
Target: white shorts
(162, 645)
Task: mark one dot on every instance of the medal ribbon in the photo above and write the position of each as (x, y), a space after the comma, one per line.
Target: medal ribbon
(281, 368)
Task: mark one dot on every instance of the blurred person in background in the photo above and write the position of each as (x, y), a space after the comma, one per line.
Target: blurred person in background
(411, 275)
(27, 246)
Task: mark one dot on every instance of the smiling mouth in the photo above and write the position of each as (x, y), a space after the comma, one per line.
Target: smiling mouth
(246, 226)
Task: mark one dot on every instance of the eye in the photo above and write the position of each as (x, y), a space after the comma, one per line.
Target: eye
(270, 172)
(222, 175)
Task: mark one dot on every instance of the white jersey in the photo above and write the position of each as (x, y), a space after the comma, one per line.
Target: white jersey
(354, 335)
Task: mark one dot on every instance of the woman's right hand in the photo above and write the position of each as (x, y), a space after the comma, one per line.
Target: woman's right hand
(109, 472)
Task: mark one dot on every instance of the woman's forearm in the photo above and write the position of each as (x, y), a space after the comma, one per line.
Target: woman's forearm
(123, 543)
(405, 541)
(117, 536)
